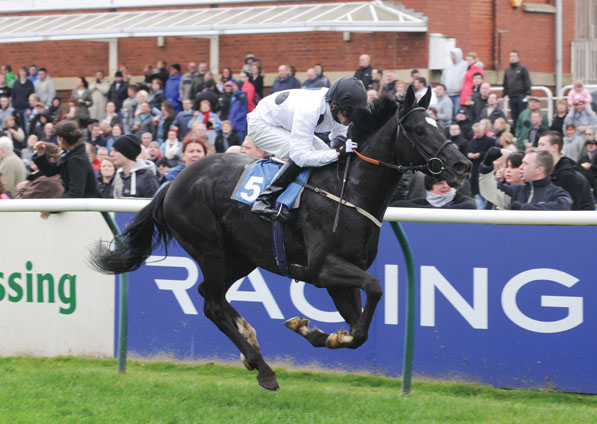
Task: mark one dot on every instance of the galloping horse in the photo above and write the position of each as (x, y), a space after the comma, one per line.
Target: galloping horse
(228, 241)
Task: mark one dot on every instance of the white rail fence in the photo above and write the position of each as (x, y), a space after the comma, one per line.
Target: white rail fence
(453, 216)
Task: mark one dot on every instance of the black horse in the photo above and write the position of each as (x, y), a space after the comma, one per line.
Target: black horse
(228, 241)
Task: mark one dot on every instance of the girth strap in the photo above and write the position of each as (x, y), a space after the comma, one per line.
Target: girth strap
(344, 202)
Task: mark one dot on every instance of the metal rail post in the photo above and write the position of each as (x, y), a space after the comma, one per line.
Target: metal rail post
(123, 310)
(409, 324)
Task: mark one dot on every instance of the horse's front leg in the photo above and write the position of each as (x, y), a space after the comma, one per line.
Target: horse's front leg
(338, 276)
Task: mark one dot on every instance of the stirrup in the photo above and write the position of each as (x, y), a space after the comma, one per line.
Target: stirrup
(282, 214)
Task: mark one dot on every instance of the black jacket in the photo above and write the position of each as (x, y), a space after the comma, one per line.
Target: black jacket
(466, 128)
(566, 174)
(222, 143)
(20, 94)
(106, 190)
(118, 95)
(75, 171)
(364, 74)
(517, 81)
(591, 173)
(537, 195)
(478, 104)
(495, 114)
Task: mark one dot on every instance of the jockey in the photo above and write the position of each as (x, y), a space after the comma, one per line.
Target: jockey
(284, 124)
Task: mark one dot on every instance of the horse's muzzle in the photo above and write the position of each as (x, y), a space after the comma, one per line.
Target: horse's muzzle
(462, 171)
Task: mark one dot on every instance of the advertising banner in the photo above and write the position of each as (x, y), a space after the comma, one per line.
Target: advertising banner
(509, 306)
(51, 302)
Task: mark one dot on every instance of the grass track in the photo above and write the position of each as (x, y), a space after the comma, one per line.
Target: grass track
(72, 390)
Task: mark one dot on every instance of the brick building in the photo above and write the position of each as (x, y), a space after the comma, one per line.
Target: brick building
(400, 36)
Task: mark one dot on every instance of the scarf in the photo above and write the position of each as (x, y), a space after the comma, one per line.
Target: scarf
(170, 149)
(205, 117)
(440, 200)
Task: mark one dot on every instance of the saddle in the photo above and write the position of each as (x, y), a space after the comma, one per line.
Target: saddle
(258, 175)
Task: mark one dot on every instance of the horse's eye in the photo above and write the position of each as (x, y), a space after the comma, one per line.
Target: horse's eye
(419, 130)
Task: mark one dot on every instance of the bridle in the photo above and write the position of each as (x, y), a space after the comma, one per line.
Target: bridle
(434, 164)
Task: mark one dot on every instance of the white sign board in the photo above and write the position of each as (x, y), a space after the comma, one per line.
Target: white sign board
(51, 302)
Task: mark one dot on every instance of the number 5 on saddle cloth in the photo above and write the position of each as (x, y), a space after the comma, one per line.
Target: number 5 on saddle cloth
(258, 175)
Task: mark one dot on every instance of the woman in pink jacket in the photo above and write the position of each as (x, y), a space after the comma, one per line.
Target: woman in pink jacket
(474, 66)
(248, 88)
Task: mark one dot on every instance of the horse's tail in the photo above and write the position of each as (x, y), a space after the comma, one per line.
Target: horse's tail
(147, 232)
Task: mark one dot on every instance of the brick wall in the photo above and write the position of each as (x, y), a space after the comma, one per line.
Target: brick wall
(473, 24)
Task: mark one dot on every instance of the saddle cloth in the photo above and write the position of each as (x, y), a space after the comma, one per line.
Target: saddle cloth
(258, 175)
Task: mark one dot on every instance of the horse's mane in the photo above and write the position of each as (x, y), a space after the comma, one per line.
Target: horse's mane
(367, 120)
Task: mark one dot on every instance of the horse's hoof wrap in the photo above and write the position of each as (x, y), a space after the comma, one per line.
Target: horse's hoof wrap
(296, 323)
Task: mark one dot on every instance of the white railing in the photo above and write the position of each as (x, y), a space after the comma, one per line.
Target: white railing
(548, 99)
(453, 216)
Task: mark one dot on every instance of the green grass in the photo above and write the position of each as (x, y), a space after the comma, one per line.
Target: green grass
(72, 390)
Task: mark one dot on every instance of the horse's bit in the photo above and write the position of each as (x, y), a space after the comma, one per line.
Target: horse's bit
(434, 164)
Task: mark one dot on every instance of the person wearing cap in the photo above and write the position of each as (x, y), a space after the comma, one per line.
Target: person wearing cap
(524, 124)
(118, 90)
(465, 124)
(225, 99)
(247, 67)
(73, 166)
(438, 195)
(172, 88)
(580, 116)
(134, 178)
(284, 125)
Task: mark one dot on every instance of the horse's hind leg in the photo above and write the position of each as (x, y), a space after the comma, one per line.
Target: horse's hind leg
(219, 275)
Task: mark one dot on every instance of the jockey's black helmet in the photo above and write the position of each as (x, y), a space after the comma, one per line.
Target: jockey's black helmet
(348, 93)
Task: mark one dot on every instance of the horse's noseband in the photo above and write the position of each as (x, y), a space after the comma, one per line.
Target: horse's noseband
(434, 164)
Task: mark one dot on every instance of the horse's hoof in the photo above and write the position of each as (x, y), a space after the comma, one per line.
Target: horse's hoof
(296, 323)
(268, 382)
(246, 363)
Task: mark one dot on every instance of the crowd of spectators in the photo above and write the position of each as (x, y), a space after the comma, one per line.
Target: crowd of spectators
(139, 135)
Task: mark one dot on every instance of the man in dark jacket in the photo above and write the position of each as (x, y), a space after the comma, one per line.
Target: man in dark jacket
(118, 90)
(517, 86)
(209, 93)
(566, 173)
(135, 177)
(284, 80)
(365, 70)
(21, 90)
(538, 192)
(465, 124)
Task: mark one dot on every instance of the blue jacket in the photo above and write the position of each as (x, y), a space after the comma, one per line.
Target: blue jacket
(285, 84)
(172, 92)
(239, 108)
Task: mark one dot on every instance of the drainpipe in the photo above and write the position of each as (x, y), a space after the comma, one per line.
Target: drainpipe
(558, 46)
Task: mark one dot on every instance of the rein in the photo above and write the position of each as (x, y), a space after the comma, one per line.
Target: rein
(434, 164)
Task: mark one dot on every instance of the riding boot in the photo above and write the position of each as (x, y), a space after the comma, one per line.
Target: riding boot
(265, 204)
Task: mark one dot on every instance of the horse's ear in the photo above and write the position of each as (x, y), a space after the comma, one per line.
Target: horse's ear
(426, 99)
(410, 98)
